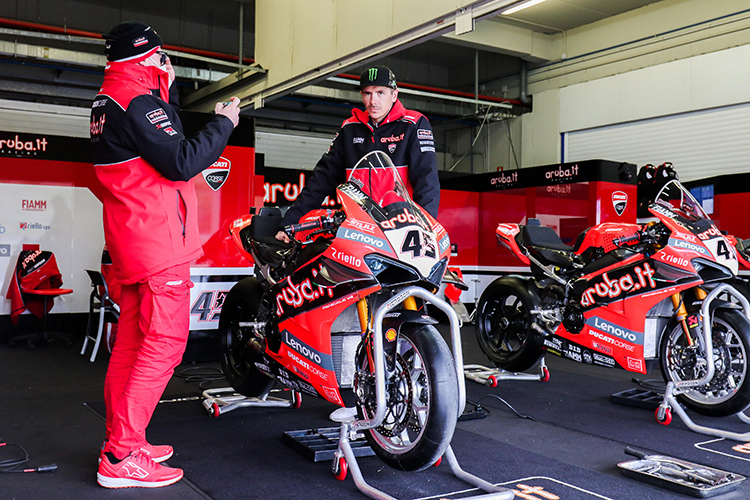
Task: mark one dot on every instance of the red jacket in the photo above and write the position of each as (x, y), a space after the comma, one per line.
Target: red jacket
(404, 135)
(146, 165)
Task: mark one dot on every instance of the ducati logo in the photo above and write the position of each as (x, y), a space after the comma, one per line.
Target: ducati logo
(391, 148)
(619, 201)
(216, 175)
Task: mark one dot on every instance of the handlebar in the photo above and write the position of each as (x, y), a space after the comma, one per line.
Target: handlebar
(618, 242)
(329, 222)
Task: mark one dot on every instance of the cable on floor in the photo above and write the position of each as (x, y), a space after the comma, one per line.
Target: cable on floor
(11, 464)
(478, 406)
(201, 374)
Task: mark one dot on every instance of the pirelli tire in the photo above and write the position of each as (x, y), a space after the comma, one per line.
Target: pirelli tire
(728, 392)
(422, 402)
(241, 305)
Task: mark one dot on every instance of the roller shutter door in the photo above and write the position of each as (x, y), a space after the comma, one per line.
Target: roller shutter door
(287, 150)
(700, 144)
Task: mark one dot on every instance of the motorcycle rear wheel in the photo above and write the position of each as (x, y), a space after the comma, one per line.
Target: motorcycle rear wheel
(729, 390)
(503, 328)
(422, 400)
(241, 305)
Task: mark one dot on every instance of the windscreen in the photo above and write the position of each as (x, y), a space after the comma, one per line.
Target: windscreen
(676, 198)
(388, 199)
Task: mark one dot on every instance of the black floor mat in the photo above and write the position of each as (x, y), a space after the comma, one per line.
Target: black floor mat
(579, 401)
(241, 455)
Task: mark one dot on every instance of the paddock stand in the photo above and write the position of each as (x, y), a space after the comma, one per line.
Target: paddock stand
(670, 403)
(490, 376)
(225, 399)
(344, 457)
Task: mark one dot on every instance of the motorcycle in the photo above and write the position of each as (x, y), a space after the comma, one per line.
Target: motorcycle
(335, 314)
(625, 294)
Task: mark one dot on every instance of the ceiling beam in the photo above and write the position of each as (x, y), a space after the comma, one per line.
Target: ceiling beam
(299, 46)
(503, 38)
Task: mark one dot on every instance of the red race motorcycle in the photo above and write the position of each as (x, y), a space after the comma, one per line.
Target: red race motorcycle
(342, 315)
(625, 294)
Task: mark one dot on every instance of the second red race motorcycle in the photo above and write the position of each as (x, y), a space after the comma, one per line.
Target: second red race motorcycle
(625, 294)
(343, 315)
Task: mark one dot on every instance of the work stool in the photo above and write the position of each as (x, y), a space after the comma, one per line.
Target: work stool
(99, 301)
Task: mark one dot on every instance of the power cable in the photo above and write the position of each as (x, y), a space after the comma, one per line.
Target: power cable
(478, 406)
(10, 464)
(208, 374)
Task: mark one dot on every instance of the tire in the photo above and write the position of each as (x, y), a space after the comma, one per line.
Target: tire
(242, 304)
(413, 436)
(729, 390)
(503, 328)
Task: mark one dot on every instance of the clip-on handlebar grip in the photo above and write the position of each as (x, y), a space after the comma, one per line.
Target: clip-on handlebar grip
(618, 242)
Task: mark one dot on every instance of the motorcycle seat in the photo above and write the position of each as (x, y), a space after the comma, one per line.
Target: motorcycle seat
(547, 246)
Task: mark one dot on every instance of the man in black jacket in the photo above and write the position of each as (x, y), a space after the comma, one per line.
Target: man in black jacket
(385, 125)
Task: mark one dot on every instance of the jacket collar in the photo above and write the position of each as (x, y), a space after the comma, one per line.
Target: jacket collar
(397, 112)
(146, 78)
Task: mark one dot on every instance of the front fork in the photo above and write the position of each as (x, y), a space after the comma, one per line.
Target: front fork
(371, 324)
(363, 311)
(678, 301)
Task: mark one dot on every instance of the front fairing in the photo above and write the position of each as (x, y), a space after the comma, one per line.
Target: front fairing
(382, 216)
(693, 232)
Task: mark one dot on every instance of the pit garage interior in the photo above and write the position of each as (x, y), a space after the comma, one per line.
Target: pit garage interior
(527, 100)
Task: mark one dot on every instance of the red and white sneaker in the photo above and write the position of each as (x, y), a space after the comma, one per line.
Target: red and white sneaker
(135, 471)
(156, 452)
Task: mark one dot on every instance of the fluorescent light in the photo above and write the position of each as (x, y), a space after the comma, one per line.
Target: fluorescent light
(521, 6)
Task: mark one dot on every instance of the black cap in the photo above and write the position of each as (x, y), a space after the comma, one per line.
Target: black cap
(380, 76)
(129, 41)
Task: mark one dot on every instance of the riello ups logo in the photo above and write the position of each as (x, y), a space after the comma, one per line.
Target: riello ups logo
(216, 175)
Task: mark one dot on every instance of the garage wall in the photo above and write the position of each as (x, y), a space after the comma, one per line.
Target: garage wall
(669, 58)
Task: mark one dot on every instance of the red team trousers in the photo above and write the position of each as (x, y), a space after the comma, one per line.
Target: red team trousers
(151, 339)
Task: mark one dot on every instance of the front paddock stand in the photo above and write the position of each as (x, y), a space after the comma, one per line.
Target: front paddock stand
(344, 459)
(225, 399)
(490, 376)
(670, 403)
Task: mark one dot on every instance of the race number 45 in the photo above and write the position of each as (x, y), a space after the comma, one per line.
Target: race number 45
(418, 244)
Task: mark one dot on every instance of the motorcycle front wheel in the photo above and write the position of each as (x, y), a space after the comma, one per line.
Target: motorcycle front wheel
(241, 305)
(728, 392)
(503, 328)
(422, 402)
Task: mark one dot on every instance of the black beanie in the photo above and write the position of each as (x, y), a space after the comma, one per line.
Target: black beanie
(130, 40)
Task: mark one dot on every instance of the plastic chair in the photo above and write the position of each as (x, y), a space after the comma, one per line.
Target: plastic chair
(99, 300)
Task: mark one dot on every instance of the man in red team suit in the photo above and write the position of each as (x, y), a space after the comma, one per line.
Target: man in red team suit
(150, 208)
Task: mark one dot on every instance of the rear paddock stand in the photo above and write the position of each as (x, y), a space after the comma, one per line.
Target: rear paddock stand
(490, 376)
(344, 458)
(225, 399)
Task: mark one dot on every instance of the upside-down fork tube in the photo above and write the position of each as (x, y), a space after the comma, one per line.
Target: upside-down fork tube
(379, 358)
(679, 304)
(364, 313)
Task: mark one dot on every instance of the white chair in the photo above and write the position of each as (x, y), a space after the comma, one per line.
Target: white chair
(98, 302)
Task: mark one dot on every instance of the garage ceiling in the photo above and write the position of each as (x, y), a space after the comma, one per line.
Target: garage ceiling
(73, 77)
